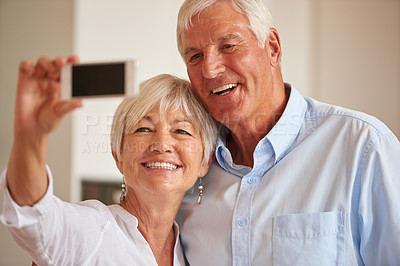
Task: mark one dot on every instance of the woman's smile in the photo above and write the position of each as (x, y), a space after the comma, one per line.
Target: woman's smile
(162, 153)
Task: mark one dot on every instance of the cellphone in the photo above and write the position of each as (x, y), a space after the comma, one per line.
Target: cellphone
(105, 79)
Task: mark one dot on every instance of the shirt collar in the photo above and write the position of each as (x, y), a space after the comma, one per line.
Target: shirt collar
(280, 137)
(224, 157)
(286, 130)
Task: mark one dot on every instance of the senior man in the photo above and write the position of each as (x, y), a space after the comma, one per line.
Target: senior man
(295, 181)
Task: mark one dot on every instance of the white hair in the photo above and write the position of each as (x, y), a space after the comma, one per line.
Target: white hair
(257, 13)
(170, 94)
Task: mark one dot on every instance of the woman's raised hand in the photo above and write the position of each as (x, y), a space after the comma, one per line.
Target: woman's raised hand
(39, 107)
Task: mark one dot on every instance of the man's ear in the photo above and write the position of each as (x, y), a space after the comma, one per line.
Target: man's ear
(273, 46)
(119, 163)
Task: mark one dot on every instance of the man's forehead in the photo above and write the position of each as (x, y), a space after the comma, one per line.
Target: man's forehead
(193, 37)
(226, 36)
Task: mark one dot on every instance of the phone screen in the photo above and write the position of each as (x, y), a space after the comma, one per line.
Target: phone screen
(100, 79)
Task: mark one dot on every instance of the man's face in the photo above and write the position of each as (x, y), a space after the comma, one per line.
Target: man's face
(229, 71)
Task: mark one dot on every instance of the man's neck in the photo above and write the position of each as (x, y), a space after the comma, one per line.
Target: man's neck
(244, 135)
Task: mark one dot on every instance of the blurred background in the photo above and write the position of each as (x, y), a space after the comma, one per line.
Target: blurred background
(345, 52)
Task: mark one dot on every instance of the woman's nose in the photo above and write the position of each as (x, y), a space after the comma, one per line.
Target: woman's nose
(162, 143)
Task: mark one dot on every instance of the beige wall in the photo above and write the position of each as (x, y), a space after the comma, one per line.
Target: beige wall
(359, 57)
(29, 29)
(344, 52)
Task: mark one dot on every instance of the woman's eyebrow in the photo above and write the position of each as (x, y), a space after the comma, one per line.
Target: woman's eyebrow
(182, 121)
(148, 118)
(175, 121)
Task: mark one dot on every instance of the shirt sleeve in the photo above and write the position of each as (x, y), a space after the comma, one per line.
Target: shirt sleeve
(24, 222)
(379, 207)
(16, 216)
(54, 232)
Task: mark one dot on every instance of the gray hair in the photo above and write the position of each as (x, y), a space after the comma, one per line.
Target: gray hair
(257, 13)
(170, 94)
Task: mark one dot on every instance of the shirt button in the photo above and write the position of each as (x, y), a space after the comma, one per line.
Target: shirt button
(241, 222)
(251, 180)
(223, 153)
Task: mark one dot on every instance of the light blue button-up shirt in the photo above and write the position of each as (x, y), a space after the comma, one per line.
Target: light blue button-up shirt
(324, 190)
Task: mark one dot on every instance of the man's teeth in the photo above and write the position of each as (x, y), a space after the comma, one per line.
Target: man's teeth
(161, 165)
(225, 89)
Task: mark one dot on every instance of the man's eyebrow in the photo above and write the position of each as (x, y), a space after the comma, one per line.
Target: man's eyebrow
(189, 50)
(226, 37)
(229, 36)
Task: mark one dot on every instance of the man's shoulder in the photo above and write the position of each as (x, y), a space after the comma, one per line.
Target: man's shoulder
(324, 113)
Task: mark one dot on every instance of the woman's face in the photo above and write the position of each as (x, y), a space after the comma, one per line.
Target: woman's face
(162, 153)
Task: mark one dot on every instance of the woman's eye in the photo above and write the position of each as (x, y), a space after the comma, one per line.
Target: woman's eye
(183, 132)
(142, 129)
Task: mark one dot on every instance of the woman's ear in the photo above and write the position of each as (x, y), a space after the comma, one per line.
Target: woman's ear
(273, 46)
(119, 163)
(204, 167)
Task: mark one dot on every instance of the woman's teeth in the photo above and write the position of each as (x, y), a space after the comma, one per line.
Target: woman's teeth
(161, 165)
(225, 89)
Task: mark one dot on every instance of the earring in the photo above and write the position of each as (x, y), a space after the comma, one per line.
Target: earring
(122, 198)
(200, 192)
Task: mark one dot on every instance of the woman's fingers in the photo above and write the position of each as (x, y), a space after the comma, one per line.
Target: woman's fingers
(50, 120)
(52, 113)
(65, 107)
(45, 75)
(51, 68)
(43, 66)
(60, 62)
(73, 59)
(26, 68)
(39, 107)
(26, 76)
(48, 73)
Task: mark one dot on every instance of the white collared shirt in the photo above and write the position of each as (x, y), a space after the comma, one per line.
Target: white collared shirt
(55, 232)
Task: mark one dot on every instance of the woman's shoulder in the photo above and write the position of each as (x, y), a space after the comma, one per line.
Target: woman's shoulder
(94, 207)
(121, 215)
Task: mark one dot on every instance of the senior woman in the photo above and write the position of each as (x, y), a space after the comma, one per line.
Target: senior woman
(162, 141)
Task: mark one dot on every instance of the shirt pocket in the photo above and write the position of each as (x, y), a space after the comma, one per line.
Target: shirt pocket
(309, 239)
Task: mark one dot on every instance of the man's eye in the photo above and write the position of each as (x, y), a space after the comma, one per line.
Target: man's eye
(228, 47)
(183, 132)
(194, 58)
(142, 129)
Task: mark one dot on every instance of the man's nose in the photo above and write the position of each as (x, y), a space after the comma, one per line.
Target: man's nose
(212, 64)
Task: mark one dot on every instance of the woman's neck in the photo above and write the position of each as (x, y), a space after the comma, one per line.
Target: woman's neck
(156, 224)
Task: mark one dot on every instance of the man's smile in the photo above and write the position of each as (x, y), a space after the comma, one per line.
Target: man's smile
(225, 89)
